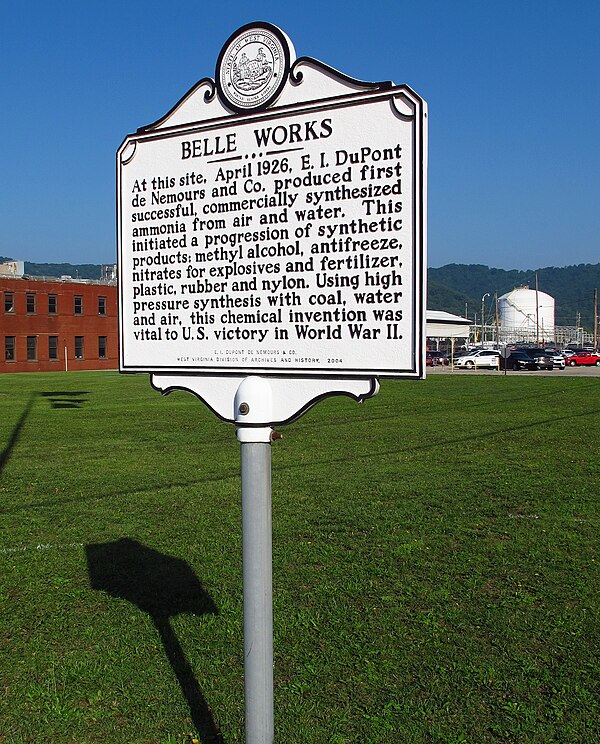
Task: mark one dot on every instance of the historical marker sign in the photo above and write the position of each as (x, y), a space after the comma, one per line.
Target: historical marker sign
(271, 236)
(286, 238)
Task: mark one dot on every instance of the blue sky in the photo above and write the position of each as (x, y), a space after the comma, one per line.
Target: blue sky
(512, 89)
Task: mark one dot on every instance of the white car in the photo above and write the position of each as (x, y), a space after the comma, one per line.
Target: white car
(477, 359)
(558, 360)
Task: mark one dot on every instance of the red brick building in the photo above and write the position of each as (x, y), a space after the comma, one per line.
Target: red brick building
(49, 325)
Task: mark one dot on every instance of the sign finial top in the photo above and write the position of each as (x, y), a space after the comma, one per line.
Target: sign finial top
(253, 67)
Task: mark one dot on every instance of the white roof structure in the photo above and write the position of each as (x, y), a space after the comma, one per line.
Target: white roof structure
(12, 268)
(440, 324)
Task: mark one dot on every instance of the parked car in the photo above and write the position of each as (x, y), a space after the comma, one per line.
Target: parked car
(516, 360)
(540, 358)
(558, 360)
(433, 358)
(478, 359)
(584, 358)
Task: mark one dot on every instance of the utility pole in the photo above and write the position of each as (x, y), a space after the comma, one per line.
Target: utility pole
(497, 323)
(537, 313)
(596, 319)
(487, 294)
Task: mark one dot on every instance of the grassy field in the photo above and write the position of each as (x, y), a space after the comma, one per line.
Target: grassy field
(434, 550)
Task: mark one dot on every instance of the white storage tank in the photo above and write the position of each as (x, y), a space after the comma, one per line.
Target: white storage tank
(527, 315)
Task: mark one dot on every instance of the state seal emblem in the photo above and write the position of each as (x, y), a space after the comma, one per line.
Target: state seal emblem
(253, 67)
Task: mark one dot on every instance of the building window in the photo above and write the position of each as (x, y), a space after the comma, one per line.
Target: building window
(9, 348)
(52, 305)
(101, 347)
(78, 305)
(101, 305)
(52, 347)
(30, 296)
(31, 348)
(9, 302)
(78, 347)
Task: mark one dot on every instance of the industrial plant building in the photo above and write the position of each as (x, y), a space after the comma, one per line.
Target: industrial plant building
(53, 324)
(521, 316)
(526, 315)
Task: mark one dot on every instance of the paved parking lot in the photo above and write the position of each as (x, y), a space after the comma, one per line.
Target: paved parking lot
(566, 372)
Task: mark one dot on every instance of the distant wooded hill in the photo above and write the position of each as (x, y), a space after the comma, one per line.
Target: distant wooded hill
(77, 271)
(454, 287)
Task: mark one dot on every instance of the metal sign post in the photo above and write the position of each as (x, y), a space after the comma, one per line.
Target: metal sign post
(252, 400)
(258, 589)
(272, 252)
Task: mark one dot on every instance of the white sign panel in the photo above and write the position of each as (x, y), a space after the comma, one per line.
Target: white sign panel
(283, 239)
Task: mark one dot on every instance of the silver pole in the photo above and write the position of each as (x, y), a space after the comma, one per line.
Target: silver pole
(258, 591)
(487, 294)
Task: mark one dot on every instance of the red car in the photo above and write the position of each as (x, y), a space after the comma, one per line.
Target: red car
(583, 358)
(434, 358)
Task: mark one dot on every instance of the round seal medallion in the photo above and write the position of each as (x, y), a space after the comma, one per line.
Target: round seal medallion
(252, 67)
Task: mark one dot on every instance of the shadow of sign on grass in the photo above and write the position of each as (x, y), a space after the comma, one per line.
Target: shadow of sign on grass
(16, 433)
(71, 399)
(162, 586)
(65, 399)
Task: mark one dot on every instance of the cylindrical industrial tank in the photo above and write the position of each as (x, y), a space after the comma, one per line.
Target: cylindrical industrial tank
(527, 314)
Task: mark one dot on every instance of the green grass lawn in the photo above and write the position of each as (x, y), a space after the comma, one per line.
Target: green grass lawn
(435, 564)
